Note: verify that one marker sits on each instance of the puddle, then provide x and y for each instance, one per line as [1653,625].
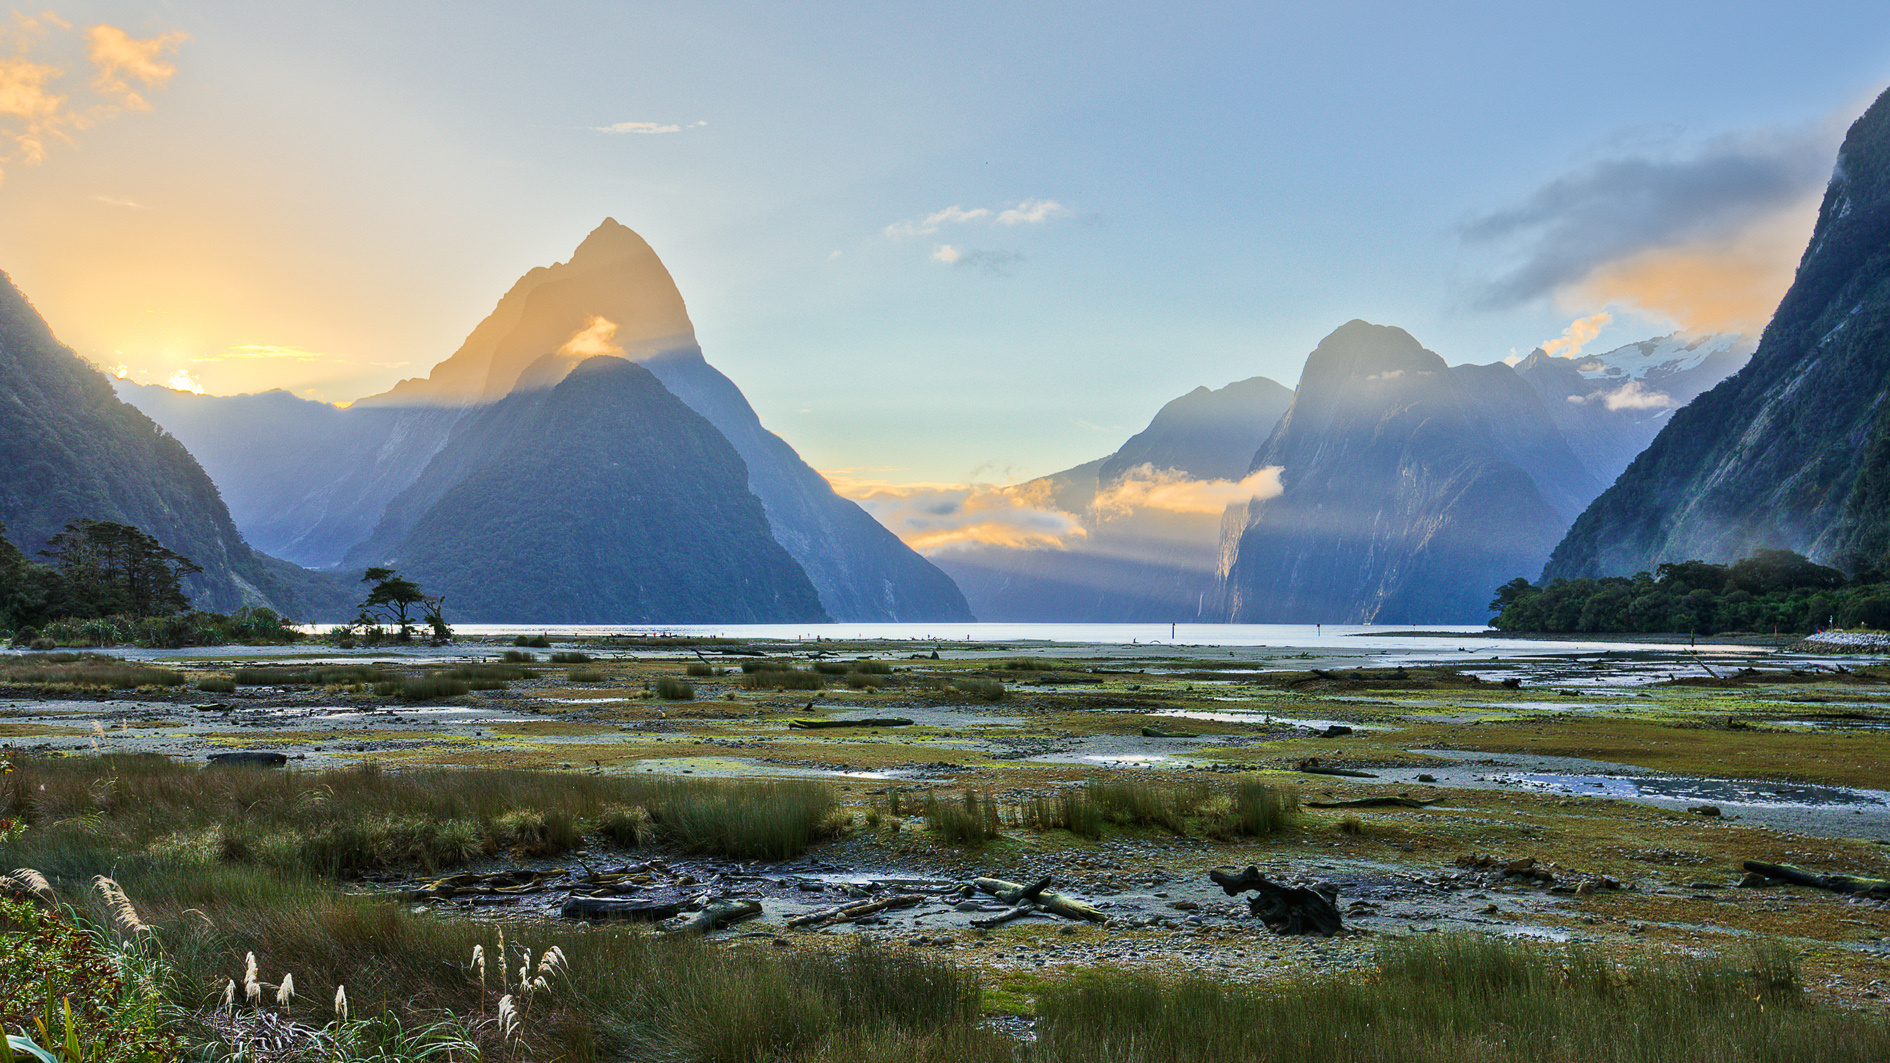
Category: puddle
[1738,792]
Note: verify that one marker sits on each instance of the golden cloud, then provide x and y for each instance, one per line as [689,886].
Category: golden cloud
[1730,284]
[119,59]
[933,517]
[1577,335]
[34,110]
[1146,487]
[592,340]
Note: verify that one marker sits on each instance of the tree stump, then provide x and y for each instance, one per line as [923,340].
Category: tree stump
[1286,910]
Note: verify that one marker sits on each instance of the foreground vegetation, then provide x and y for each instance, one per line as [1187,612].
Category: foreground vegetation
[225,932]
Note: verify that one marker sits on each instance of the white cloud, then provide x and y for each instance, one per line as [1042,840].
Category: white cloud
[646,127]
[1032,212]
[36,109]
[953,215]
[181,380]
[947,253]
[1629,396]
[1146,487]
[115,202]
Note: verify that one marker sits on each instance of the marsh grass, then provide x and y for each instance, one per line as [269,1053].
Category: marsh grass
[703,670]
[84,670]
[584,675]
[783,679]
[983,689]
[217,685]
[1445,999]
[570,657]
[89,815]
[669,688]
[334,675]
[971,817]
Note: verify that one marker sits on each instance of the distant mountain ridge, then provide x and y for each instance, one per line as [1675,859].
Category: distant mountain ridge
[1793,451]
[323,491]
[72,450]
[1399,501]
[600,499]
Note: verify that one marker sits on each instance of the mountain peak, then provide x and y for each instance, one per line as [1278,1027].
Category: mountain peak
[1375,352]
[612,296]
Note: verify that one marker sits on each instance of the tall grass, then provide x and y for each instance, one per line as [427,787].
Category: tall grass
[326,676]
[782,679]
[91,814]
[1445,999]
[669,688]
[83,670]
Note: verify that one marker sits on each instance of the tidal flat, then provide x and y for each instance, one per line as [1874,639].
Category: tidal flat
[1600,800]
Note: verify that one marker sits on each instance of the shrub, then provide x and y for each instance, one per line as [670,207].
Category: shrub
[570,658]
[537,642]
[670,688]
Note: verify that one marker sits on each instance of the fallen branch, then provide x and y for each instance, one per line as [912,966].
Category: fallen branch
[1156,732]
[718,915]
[641,908]
[815,725]
[1018,912]
[1373,802]
[1851,884]
[1037,893]
[847,913]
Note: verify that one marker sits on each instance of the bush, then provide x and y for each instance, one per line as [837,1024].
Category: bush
[536,642]
[670,688]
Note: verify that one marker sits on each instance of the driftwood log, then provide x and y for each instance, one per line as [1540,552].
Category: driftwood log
[651,909]
[815,725]
[1284,909]
[500,882]
[250,758]
[719,914]
[1038,893]
[1373,802]
[1313,767]
[846,913]
[1866,887]
[1156,732]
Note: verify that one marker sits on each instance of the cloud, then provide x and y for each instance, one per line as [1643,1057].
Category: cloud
[116,202]
[947,254]
[120,59]
[1146,487]
[181,380]
[996,263]
[646,127]
[592,340]
[1032,212]
[1629,396]
[1577,335]
[36,107]
[267,350]
[935,517]
[1707,236]
[932,222]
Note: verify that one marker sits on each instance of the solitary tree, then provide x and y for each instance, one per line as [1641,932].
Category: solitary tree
[393,599]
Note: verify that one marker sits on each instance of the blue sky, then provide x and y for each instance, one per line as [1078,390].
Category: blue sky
[328,197]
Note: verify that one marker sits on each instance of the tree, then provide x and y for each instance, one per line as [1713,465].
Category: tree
[393,599]
[117,569]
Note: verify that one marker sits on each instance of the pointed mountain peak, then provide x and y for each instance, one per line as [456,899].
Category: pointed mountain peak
[613,296]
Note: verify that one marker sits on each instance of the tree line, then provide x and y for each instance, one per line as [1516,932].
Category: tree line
[1770,591]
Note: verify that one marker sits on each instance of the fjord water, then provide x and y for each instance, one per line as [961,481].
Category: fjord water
[1337,639]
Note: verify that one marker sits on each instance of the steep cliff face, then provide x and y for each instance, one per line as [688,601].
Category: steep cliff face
[600,499]
[1144,563]
[71,449]
[1399,503]
[1793,451]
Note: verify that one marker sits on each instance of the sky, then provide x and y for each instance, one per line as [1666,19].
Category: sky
[937,243]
